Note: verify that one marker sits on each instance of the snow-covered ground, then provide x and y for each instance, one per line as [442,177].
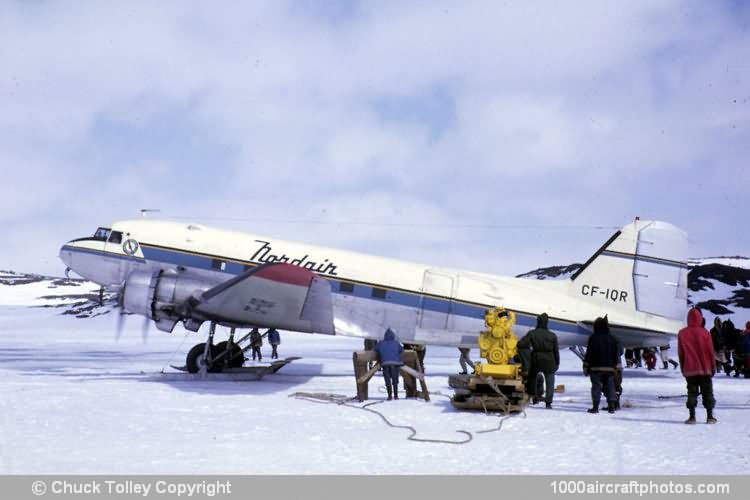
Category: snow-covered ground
[72,399]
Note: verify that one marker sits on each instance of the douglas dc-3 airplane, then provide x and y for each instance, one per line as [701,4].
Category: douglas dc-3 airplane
[173,272]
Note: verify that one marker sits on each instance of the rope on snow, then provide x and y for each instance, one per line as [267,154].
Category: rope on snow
[341,400]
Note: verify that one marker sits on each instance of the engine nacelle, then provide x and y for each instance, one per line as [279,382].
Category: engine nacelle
[162,296]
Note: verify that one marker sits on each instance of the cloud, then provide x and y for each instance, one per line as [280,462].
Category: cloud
[440,113]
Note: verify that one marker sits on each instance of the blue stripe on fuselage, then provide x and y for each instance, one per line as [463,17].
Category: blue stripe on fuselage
[362,291]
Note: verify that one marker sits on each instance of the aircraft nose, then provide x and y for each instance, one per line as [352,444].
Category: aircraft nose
[66,256]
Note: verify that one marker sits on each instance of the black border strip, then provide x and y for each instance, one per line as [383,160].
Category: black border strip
[648,258]
[89,238]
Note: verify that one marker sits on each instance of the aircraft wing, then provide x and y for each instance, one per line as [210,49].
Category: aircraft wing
[281,295]
[631,337]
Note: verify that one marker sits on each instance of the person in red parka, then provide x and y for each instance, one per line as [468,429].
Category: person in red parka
[696,352]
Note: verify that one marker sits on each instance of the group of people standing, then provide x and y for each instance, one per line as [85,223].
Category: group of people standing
[256,342]
[701,355]
[539,352]
[731,347]
[634,358]
[602,364]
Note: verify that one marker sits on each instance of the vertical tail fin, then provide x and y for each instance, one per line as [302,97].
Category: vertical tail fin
[641,267]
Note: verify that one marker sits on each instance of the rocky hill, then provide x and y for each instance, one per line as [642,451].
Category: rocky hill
[77,297]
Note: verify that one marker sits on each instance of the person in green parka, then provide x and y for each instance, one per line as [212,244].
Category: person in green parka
[545,357]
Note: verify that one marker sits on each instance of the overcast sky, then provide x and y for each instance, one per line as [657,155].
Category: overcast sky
[414,130]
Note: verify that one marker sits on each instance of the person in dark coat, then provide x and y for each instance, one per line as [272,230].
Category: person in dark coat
[745,347]
[717,339]
[523,355]
[697,360]
[369,346]
[629,362]
[600,364]
[618,375]
[739,353]
[389,350]
[731,337]
[545,357]
[256,342]
[637,357]
[274,338]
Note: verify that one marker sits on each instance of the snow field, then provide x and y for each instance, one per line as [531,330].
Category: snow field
[73,400]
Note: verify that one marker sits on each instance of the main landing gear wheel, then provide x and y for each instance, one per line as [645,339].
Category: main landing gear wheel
[196,359]
[234,359]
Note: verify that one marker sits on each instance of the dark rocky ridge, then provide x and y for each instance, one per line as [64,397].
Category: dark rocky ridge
[700,279]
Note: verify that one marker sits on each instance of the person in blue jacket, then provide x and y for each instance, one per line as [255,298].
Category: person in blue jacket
[389,349]
[274,338]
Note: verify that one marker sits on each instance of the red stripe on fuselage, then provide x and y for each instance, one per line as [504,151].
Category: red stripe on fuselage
[285,273]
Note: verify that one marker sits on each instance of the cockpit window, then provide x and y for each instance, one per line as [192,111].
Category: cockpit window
[102,234]
[115,237]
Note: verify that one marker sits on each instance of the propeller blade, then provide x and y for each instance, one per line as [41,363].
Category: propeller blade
[145,328]
[120,308]
[120,324]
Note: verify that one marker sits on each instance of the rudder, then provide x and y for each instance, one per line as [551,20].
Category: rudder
[641,267]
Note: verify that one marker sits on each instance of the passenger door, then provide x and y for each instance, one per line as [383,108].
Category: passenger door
[436,300]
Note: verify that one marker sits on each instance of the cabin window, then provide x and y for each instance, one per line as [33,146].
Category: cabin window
[346,287]
[218,264]
[102,234]
[378,293]
[115,237]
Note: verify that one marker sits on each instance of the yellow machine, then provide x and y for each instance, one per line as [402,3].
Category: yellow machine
[496,384]
[497,345]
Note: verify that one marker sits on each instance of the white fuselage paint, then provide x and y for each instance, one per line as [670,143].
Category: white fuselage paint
[424,304]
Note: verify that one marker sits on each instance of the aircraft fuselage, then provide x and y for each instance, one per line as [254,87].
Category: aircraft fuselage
[423,304]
